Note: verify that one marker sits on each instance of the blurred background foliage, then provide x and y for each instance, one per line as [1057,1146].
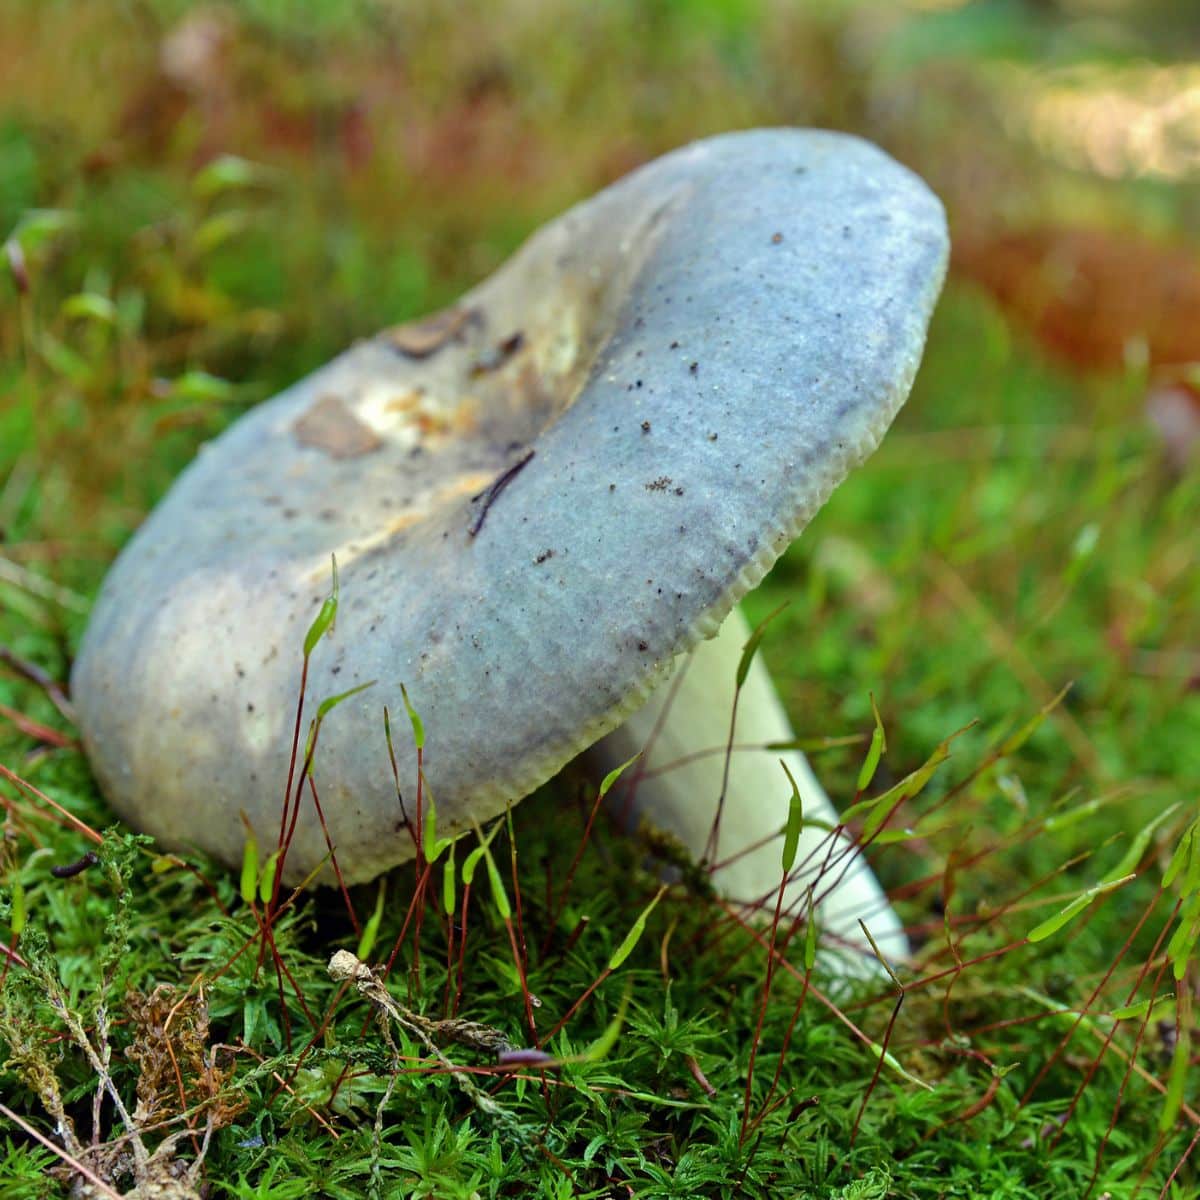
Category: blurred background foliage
[203,201]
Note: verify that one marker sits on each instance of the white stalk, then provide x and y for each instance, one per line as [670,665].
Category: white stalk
[677,785]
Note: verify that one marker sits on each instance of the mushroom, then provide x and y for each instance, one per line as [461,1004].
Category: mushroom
[540,503]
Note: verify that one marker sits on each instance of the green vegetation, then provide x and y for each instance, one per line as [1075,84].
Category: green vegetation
[182,246]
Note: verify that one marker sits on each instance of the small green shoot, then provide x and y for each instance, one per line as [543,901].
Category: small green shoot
[418,726]
[1015,741]
[752,644]
[449,883]
[795,823]
[323,710]
[90,306]
[228,172]
[432,844]
[219,229]
[890,1061]
[1131,1012]
[1075,814]
[203,388]
[876,809]
[602,1047]
[484,851]
[249,876]
[370,933]
[631,939]
[326,616]
[266,881]
[472,860]
[1053,924]
[499,895]
[1137,848]
[38,227]
[18,910]
[1183,940]
[1181,1059]
[875,751]
[611,778]
[1184,855]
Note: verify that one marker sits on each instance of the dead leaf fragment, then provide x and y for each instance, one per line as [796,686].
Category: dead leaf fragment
[420,339]
[330,426]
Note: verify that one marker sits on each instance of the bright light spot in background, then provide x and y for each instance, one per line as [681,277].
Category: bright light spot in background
[1116,122]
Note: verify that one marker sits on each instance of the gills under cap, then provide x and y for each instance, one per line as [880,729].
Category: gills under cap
[537,500]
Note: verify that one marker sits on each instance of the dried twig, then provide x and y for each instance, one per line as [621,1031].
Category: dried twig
[344,966]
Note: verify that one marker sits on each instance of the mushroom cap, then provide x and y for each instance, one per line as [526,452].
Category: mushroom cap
[695,357]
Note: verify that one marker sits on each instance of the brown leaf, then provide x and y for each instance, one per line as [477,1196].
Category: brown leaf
[330,426]
[1090,295]
[420,339]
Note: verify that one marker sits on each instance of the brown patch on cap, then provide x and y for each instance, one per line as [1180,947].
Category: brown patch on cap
[420,339]
[330,426]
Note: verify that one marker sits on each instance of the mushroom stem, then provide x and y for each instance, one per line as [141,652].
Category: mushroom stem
[677,784]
